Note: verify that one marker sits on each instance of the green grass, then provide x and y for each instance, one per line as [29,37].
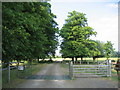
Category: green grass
[64,65]
[18,77]
[114,76]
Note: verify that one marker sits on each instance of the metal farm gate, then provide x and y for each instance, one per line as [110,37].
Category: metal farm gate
[101,69]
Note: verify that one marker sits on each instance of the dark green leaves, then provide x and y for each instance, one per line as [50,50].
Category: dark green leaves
[28,30]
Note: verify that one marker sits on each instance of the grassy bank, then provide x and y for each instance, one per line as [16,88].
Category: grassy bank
[18,77]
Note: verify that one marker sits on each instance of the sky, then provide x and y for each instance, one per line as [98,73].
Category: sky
[102,16]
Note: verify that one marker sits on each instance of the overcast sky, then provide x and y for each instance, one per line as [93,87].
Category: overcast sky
[102,16]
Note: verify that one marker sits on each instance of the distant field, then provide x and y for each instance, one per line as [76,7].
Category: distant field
[67,59]
[97,59]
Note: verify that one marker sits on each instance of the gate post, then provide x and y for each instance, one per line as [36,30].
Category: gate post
[108,68]
[80,61]
[71,69]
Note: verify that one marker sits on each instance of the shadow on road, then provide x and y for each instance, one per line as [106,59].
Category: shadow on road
[50,77]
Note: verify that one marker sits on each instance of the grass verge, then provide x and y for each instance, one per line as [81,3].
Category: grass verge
[18,77]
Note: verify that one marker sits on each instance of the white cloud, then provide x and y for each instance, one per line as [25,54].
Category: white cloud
[113,5]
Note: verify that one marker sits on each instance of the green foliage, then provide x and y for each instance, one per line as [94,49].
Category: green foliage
[76,39]
[75,33]
[28,30]
[96,49]
[93,48]
[108,49]
[116,54]
[101,49]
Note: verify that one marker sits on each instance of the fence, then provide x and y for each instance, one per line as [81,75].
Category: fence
[102,69]
[13,72]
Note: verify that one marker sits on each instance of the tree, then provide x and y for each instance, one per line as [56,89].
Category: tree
[95,49]
[108,49]
[100,46]
[116,54]
[75,33]
[26,34]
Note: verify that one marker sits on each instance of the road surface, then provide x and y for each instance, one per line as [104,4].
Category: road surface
[55,76]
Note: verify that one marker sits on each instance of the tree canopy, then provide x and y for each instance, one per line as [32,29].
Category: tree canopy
[108,49]
[76,39]
[29,30]
[76,35]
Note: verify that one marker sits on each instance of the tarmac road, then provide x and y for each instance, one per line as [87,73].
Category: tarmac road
[55,76]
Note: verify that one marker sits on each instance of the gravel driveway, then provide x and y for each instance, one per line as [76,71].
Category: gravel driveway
[55,76]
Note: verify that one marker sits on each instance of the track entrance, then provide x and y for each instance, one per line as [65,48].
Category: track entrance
[52,71]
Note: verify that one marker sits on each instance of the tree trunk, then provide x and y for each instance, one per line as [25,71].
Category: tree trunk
[94,59]
[18,62]
[72,59]
[75,58]
[38,59]
[50,59]
[30,61]
[81,58]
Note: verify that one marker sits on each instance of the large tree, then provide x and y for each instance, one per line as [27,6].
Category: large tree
[75,33]
[29,30]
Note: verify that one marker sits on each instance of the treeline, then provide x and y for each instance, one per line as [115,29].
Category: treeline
[76,39]
[28,31]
